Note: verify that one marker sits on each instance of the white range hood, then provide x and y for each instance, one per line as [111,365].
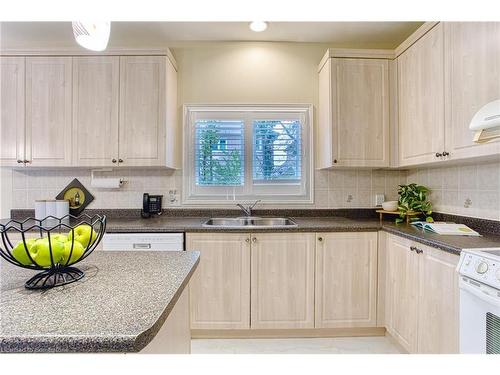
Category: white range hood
[486,122]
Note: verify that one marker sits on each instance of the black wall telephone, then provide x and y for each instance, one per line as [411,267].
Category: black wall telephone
[151,204]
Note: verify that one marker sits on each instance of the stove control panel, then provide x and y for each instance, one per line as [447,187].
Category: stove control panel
[480,266]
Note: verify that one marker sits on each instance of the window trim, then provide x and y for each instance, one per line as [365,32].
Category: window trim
[189,194]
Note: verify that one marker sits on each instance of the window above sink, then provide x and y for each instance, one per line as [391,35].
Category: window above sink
[248,152]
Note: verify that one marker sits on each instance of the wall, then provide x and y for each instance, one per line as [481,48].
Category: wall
[452,186]
[249,72]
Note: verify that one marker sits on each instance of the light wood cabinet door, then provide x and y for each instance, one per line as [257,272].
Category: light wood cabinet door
[361,112]
[95,110]
[346,280]
[219,291]
[438,309]
[353,125]
[324,136]
[421,99]
[402,292]
[173,136]
[473,79]
[12,111]
[282,280]
[48,111]
[142,111]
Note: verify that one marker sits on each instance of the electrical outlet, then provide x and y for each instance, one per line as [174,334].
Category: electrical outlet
[379,199]
[173,199]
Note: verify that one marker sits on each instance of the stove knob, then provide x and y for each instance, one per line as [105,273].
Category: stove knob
[482,267]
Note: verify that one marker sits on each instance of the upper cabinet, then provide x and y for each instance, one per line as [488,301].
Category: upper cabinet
[421,100]
[48,111]
[12,111]
[472,66]
[413,107]
[142,110]
[89,111]
[353,126]
[449,72]
[95,110]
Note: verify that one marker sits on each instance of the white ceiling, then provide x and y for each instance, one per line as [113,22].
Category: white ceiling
[155,34]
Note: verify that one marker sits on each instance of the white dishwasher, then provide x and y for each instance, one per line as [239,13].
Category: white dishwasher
[143,242]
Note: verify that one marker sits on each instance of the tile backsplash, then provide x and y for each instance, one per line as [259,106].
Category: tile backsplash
[469,190]
[333,189]
[29,185]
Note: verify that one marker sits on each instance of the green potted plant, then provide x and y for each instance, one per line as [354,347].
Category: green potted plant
[413,200]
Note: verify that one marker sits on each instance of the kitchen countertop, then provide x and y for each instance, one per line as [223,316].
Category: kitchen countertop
[451,244]
[169,223]
[116,307]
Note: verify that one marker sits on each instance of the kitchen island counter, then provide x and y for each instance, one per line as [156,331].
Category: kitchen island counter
[119,306]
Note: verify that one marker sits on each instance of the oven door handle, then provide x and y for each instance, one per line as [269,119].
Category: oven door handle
[495,301]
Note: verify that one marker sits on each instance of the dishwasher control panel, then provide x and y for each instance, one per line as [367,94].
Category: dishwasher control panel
[143,242]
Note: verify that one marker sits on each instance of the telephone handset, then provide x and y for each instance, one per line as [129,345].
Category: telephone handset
[151,204]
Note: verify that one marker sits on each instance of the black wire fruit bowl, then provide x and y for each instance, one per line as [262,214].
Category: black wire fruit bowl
[51,245]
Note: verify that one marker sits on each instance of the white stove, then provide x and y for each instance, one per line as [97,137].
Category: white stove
[479,283]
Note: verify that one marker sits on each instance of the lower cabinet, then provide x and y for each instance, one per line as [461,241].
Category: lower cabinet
[336,280]
[421,297]
[438,322]
[219,291]
[282,288]
[402,292]
[284,280]
[346,280]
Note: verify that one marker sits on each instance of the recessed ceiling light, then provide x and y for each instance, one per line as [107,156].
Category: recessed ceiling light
[258,26]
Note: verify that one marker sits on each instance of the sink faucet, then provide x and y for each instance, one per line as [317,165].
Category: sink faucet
[248,210]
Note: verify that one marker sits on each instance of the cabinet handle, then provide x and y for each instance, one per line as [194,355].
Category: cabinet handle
[438,154]
[446,153]
[120,160]
[418,251]
[335,161]
[19,161]
[412,248]
[320,239]
[113,160]
[26,161]
[254,240]
[247,240]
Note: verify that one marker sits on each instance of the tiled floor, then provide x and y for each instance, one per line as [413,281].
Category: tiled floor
[338,345]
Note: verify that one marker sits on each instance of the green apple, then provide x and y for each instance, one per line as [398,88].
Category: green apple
[40,252]
[19,251]
[84,234]
[77,253]
[59,237]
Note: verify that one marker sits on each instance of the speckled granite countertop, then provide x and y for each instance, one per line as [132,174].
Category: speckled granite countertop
[116,307]
[195,224]
[338,220]
[451,244]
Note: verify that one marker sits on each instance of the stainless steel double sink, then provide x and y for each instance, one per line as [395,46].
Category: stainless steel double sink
[250,222]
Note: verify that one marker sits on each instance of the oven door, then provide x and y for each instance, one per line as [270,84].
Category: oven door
[479,318]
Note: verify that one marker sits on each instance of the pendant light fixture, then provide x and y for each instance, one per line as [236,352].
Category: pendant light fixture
[92,35]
